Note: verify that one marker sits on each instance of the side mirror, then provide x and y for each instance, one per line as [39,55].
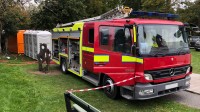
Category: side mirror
[133,50]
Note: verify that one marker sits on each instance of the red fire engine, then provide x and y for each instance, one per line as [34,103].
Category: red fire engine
[103,51]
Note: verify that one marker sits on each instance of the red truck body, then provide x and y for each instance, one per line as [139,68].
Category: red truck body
[106,58]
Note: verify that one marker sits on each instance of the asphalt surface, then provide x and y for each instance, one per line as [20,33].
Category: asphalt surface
[186,98]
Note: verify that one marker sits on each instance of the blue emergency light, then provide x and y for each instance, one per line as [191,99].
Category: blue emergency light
[154,14]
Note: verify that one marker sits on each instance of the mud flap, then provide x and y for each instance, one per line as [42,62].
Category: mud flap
[79,105]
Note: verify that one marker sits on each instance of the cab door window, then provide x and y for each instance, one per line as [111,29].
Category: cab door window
[113,38]
[91,35]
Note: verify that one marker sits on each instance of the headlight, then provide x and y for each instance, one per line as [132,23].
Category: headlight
[148,77]
[187,83]
[146,92]
[188,70]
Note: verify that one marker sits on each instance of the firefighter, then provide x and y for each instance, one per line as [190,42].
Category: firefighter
[158,41]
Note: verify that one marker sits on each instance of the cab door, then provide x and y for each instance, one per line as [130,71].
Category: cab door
[112,54]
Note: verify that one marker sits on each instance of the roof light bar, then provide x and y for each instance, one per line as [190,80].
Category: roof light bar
[151,14]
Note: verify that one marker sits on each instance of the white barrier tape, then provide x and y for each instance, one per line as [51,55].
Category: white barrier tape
[102,87]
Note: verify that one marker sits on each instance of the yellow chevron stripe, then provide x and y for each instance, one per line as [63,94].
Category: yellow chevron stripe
[88,49]
[62,54]
[57,62]
[131,59]
[134,32]
[74,72]
[75,27]
[101,58]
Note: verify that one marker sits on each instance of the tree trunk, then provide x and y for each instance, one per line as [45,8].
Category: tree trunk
[0,36]
[6,45]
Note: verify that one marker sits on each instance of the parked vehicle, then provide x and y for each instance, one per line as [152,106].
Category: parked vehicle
[194,34]
[197,45]
[153,52]
[193,40]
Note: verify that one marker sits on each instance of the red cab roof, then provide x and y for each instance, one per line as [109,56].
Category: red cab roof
[143,21]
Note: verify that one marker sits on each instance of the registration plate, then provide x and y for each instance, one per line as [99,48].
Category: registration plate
[170,86]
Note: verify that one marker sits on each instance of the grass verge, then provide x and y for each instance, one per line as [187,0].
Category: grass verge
[195,61]
[22,91]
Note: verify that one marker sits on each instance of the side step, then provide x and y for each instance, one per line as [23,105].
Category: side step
[91,80]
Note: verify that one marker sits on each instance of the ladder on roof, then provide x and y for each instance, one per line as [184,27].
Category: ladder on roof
[118,12]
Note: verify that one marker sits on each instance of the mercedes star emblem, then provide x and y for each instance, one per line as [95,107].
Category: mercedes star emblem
[171,72]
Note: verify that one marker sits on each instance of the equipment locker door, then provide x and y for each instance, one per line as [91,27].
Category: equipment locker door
[88,47]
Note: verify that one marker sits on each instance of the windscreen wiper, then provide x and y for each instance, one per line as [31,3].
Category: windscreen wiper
[160,52]
[181,51]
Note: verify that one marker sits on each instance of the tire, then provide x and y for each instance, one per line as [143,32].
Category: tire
[63,66]
[112,91]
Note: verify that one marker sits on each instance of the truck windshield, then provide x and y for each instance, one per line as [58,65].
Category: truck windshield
[162,40]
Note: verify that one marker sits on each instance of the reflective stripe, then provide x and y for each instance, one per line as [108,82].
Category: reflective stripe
[131,59]
[57,62]
[75,27]
[101,58]
[74,72]
[62,54]
[88,49]
[134,32]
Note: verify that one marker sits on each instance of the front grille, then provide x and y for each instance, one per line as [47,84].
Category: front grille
[164,73]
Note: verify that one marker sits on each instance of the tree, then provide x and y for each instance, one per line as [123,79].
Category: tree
[191,13]
[98,7]
[57,11]
[4,5]
[157,5]
[12,17]
[52,12]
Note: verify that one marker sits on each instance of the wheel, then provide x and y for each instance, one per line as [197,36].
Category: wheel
[63,66]
[197,49]
[111,91]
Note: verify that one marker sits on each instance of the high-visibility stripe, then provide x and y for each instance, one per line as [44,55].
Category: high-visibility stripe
[81,53]
[75,27]
[62,54]
[88,49]
[134,32]
[57,62]
[101,58]
[131,59]
[74,72]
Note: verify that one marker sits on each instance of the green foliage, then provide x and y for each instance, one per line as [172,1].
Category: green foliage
[57,11]
[195,61]
[23,91]
[191,14]
[52,12]
[98,7]
[63,11]
[157,5]
[14,19]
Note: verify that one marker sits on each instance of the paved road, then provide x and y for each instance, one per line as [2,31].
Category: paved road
[186,98]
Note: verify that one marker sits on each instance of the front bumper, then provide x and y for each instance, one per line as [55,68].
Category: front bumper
[192,44]
[132,92]
[197,47]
